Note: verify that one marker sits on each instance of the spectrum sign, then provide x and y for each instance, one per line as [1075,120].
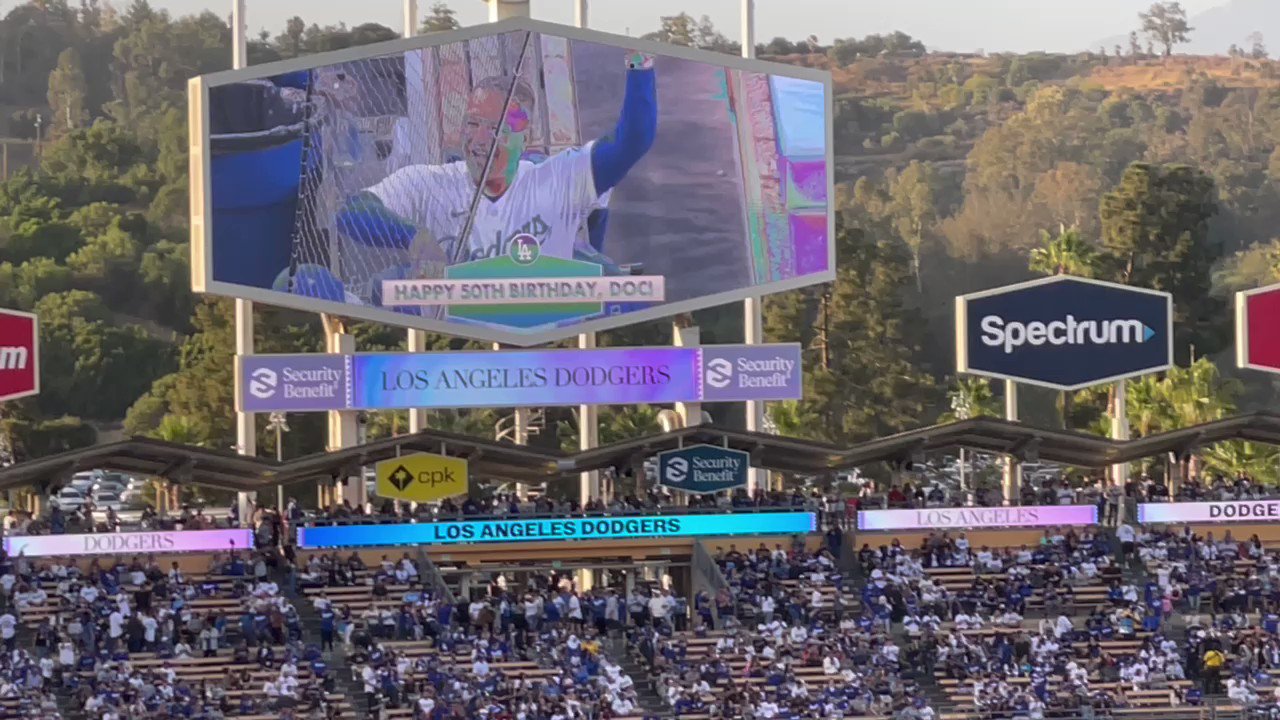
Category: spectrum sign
[604,528]
[1210,512]
[1064,332]
[519,378]
[978,517]
[128,543]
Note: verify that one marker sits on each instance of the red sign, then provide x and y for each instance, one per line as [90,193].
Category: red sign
[19,355]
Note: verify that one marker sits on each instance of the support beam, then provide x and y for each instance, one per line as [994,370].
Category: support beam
[1120,431]
[1012,485]
[246,423]
[409,21]
[344,424]
[752,308]
[506,9]
[417,416]
[685,334]
[588,435]
[580,13]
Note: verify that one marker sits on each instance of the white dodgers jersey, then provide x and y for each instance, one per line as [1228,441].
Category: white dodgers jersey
[548,200]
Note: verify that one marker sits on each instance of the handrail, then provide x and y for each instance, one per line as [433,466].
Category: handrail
[705,566]
[432,576]
[555,515]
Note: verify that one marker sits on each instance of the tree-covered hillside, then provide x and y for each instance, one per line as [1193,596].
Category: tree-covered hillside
[956,173]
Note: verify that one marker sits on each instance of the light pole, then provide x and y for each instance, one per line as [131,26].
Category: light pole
[277,421]
[962,408]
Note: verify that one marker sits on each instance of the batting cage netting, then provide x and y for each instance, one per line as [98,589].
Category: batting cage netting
[367,119]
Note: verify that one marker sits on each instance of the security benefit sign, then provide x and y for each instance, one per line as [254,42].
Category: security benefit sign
[703,468]
[422,477]
[1064,333]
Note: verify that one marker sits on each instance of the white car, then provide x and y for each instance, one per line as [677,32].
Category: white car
[68,499]
[107,500]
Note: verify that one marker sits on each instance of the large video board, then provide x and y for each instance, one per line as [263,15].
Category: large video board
[519,182]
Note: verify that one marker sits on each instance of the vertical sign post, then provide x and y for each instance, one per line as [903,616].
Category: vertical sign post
[752,307]
[246,423]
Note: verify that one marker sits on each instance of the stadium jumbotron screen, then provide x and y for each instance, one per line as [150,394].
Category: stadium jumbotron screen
[519,182]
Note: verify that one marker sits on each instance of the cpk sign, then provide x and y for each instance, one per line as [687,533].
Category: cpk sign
[1258,329]
[1064,333]
[19,355]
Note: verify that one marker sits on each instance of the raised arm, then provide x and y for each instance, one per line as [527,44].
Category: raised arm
[613,156]
[366,219]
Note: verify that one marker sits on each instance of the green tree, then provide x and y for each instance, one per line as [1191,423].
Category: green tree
[913,205]
[91,366]
[68,92]
[874,384]
[1064,254]
[1165,24]
[971,397]
[684,29]
[440,18]
[1155,234]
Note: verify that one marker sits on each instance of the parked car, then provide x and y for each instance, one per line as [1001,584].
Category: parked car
[106,500]
[69,499]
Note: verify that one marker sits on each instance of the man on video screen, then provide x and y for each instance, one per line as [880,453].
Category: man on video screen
[426,209]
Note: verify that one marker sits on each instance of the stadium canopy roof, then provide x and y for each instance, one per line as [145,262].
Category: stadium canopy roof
[186,464]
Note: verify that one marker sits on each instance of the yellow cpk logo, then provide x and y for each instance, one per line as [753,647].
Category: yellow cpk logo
[422,477]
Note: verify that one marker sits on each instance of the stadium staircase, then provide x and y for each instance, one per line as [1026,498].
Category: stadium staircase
[647,698]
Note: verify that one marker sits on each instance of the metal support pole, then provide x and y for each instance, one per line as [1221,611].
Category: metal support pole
[246,430]
[344,424]
[752,308]
[417,339]
[410,20]
[505,9]
[417,416]
[1012,489]
[748,29]
[689,336]
[588,435]
[588,415]
[1120,431]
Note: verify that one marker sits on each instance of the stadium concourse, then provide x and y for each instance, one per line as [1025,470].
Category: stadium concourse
[1076,620]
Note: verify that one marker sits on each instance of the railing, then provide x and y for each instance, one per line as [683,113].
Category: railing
[555,515]
[434,578]
[705,567]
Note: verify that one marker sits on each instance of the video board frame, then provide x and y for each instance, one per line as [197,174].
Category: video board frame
[202,212]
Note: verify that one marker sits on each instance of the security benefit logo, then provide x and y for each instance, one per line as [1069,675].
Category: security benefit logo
[421,477]
[703,468]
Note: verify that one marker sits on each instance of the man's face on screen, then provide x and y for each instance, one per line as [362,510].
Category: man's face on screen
[485,115]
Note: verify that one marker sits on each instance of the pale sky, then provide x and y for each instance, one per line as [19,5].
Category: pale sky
[962,25]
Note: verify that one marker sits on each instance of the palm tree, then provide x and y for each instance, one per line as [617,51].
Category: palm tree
[1064,254]
[970,397]
[794,418]
[617,423]
[178,429]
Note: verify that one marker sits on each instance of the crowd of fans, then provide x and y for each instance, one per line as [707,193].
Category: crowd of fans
[529,650]
[112,634]
[1077,623]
